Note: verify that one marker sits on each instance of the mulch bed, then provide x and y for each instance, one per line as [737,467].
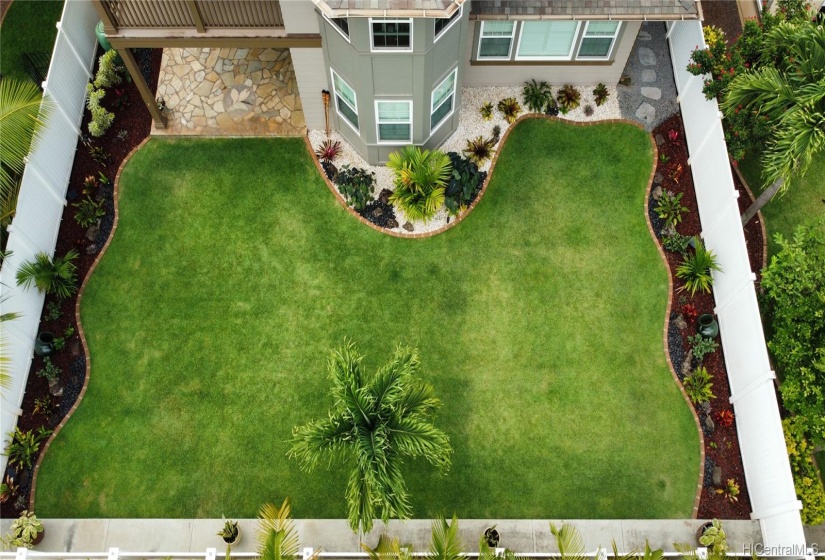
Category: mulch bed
[725,15]
[135,119]
[721,443]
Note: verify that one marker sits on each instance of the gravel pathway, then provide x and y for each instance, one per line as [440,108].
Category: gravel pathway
[650,99]
[471,125]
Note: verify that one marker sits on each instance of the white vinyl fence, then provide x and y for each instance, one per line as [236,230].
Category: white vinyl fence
[764,455]
[43,197]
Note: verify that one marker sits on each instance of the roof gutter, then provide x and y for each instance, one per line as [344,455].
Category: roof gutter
[588,17]
[454,6]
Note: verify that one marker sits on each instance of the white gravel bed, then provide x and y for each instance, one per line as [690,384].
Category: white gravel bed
[470,126]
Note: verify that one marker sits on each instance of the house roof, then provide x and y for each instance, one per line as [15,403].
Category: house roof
[517,9]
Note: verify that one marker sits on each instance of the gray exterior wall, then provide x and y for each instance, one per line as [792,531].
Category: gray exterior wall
[508,73]
[394,75]
[299,17]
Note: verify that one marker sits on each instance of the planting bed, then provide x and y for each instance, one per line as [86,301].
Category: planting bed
[135,119]
[721,443]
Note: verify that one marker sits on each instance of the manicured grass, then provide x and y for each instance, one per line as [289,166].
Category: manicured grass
[804,201]
[234,271]
[27,27]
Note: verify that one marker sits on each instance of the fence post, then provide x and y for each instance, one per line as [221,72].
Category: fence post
[113,553]
[61,33]
[211,553]
[20,554]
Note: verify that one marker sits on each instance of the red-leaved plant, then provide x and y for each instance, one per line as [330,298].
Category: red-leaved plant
[329,150]
[725,418]
[690,312]
[673,135]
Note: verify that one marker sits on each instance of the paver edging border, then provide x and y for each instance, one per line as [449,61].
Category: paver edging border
[702,458]
[80,332]
[758,215]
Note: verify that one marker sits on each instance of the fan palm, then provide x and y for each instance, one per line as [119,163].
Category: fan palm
[52,276]
[420,178]
[277,538]
[22,117]
[793,97]
[377,420]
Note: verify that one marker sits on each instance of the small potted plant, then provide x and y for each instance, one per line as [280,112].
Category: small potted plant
[491,536]
[231,532]
[713,537]
[26,531]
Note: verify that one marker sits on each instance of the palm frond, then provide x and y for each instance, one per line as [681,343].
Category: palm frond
[687,551]
[765,89]
[419,438]
[321,438]
[361,502]
[799,138]
[388,548]
[569,541]
[418,400]
[626,556]
[277,538]
[23,113]
[446,543]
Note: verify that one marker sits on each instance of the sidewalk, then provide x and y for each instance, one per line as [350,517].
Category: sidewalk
[334,535]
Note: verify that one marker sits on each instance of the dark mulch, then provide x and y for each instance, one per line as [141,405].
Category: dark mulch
[135,119]
[721,443]
[725,15]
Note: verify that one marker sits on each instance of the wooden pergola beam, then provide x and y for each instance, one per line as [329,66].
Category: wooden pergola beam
[145,39]
[109,22]
[158,118]
[196,15]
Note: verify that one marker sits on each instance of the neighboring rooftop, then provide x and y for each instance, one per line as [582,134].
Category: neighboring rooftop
[517,9]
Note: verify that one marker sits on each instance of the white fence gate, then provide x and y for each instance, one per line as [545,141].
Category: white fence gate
[761,440]
[43,197]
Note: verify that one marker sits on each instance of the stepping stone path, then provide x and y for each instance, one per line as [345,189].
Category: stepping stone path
[648,75]
[652,93]
[647,57]
[646,112]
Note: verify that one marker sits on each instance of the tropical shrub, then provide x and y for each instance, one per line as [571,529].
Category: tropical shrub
[600,94]
[725,418]
[794,284]
[479,149]
[669,208]
[109,70]
[806,478]
[88,211]
[536,95]
[52,276]
[699,386]
[730,491]
[23,446]
[588,110]
[465,183]
[101,118]
[695,269]
[701,346]
[510,109]
[486,111]
[420,177]
[356,185]
[675,242]
[568,97]
[375,422]
[53,311]
[49,370]
[100,156]
[329,150]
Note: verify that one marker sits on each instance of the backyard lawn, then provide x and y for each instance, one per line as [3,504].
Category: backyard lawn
[29,26]
[234,271]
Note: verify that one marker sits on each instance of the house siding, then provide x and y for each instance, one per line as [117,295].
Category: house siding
[394,75]
[311,77]
[299,16]
[508,73]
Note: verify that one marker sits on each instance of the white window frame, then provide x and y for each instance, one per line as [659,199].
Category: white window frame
[445,118]
[481,39]
[338,29]
[438,36]
[378,123]
[386,49]
[332,74]
[573,46]
[612,45]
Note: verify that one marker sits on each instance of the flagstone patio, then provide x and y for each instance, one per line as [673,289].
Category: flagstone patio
[230,92]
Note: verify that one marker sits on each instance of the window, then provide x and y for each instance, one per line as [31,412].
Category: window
[345,100]
[547,40]
[496,39]
[443,24]
[598,40]
[443,100]
[394,120]
[341,25]
[391,34]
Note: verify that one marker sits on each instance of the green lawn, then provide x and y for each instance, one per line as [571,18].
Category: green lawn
[804,201]
[233,272]
[28,26]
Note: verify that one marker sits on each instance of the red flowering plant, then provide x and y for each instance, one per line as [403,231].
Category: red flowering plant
[690,312]
[725,418]
[718,61]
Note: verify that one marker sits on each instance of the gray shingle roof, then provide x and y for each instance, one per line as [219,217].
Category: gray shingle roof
[619,9]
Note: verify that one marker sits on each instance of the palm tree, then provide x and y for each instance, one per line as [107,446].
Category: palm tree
[793,97]
[445,544]
[420,180]
[22,117]
[377,420]
[277,538]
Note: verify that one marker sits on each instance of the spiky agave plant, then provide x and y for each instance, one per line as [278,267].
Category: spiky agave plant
[56,276]
[420,178]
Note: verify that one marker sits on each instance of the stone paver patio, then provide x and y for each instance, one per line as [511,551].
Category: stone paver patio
[230,92]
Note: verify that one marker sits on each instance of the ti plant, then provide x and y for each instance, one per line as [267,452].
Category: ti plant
[699,386]
[669,208]
[568,97]
[600,94]
[23,446]
[730,491]
[88,212]
[329,150]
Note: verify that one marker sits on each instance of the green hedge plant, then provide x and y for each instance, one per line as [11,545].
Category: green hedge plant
[806,478]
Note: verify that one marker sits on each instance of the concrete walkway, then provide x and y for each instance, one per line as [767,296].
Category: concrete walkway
[334,535]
